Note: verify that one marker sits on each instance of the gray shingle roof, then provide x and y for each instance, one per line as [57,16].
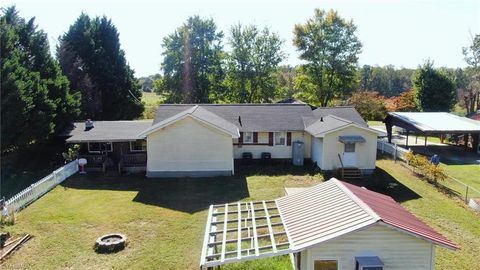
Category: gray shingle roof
[107,131]
[345,112]
[325,124]
[201,114]
[249,117]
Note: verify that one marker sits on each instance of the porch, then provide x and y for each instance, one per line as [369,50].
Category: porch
[118,157]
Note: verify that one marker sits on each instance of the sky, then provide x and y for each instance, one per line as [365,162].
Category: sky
[403,33]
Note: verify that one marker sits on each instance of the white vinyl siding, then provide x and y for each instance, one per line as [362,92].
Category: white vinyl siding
[277,151]
[366,152]
[189,145]
[396,249]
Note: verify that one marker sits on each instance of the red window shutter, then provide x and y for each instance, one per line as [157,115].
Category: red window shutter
[289,138]
[255,137]
[240,140]
[270,138]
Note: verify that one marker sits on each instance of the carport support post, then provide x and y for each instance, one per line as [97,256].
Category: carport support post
[406,144]
[426,139]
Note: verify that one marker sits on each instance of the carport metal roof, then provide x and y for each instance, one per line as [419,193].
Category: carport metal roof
[433,122]
[243,231]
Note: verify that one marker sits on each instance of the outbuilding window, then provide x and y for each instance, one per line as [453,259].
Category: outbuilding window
[368,263]
[349,147]
[280,138]
[325,265]
[138,146]
[248,137]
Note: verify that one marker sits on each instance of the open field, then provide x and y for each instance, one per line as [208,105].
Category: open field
[151,101]
[165,218]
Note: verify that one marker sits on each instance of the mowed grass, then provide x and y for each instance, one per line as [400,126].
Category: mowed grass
[448,215]
[163,219]
[151,102]
[468,174]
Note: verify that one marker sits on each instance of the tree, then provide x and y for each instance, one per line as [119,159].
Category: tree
[36,101]
[251,64]
[285,76]
[405,102]
[434,90]
[192,63]
[91,57]
[471,89]
[330,47]
[370,105]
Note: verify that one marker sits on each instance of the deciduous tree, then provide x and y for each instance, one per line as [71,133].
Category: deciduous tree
[369,104]
[192,63]
[329,45]
[251,64]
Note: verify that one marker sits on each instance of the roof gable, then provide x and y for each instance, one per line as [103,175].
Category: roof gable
[249,117]
[335,208]
[348,113]
[330,123]
[200,114]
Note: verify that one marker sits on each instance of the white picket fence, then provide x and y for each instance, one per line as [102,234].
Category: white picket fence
[39,188]
[392,149]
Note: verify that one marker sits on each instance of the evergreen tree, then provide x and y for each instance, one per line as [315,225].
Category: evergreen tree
[35,99]
[434,91]
[91,57]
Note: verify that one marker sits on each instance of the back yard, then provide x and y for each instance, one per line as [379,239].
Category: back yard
[164,219]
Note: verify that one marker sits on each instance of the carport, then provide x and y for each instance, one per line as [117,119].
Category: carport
[435,123]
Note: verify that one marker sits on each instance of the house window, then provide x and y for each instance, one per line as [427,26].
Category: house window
[349,147]
[138,146]
[98,147]
[325,265]
[280,138]
[248,137]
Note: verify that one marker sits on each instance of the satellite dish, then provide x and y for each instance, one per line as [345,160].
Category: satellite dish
[82,162]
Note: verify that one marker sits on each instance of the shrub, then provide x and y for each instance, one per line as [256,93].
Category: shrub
[425,167]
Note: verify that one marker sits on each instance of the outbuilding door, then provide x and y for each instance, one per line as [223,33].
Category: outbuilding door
[349,155]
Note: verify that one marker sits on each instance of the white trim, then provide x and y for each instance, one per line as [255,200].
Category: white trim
[417,235]
[275,138]
[313,258]
[181,116]
[206,239]
[321,135]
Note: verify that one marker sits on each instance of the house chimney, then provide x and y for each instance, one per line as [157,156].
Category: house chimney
[88,124]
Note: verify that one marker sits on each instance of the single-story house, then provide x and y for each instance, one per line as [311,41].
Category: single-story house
[207,139]
[333,225]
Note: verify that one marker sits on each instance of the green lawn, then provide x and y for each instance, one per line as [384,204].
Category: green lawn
[151,101]
[375,123]
[165,218]
[468,174]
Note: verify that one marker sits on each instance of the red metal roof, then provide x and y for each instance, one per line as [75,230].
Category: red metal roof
[393,214]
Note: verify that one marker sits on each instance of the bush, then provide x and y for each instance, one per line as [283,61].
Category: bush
[425,167]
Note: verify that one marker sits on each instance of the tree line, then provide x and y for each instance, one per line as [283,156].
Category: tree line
[89,76]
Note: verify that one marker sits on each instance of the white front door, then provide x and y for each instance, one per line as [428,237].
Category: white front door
[349,155]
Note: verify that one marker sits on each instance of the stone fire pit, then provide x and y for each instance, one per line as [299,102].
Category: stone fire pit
[110,243]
